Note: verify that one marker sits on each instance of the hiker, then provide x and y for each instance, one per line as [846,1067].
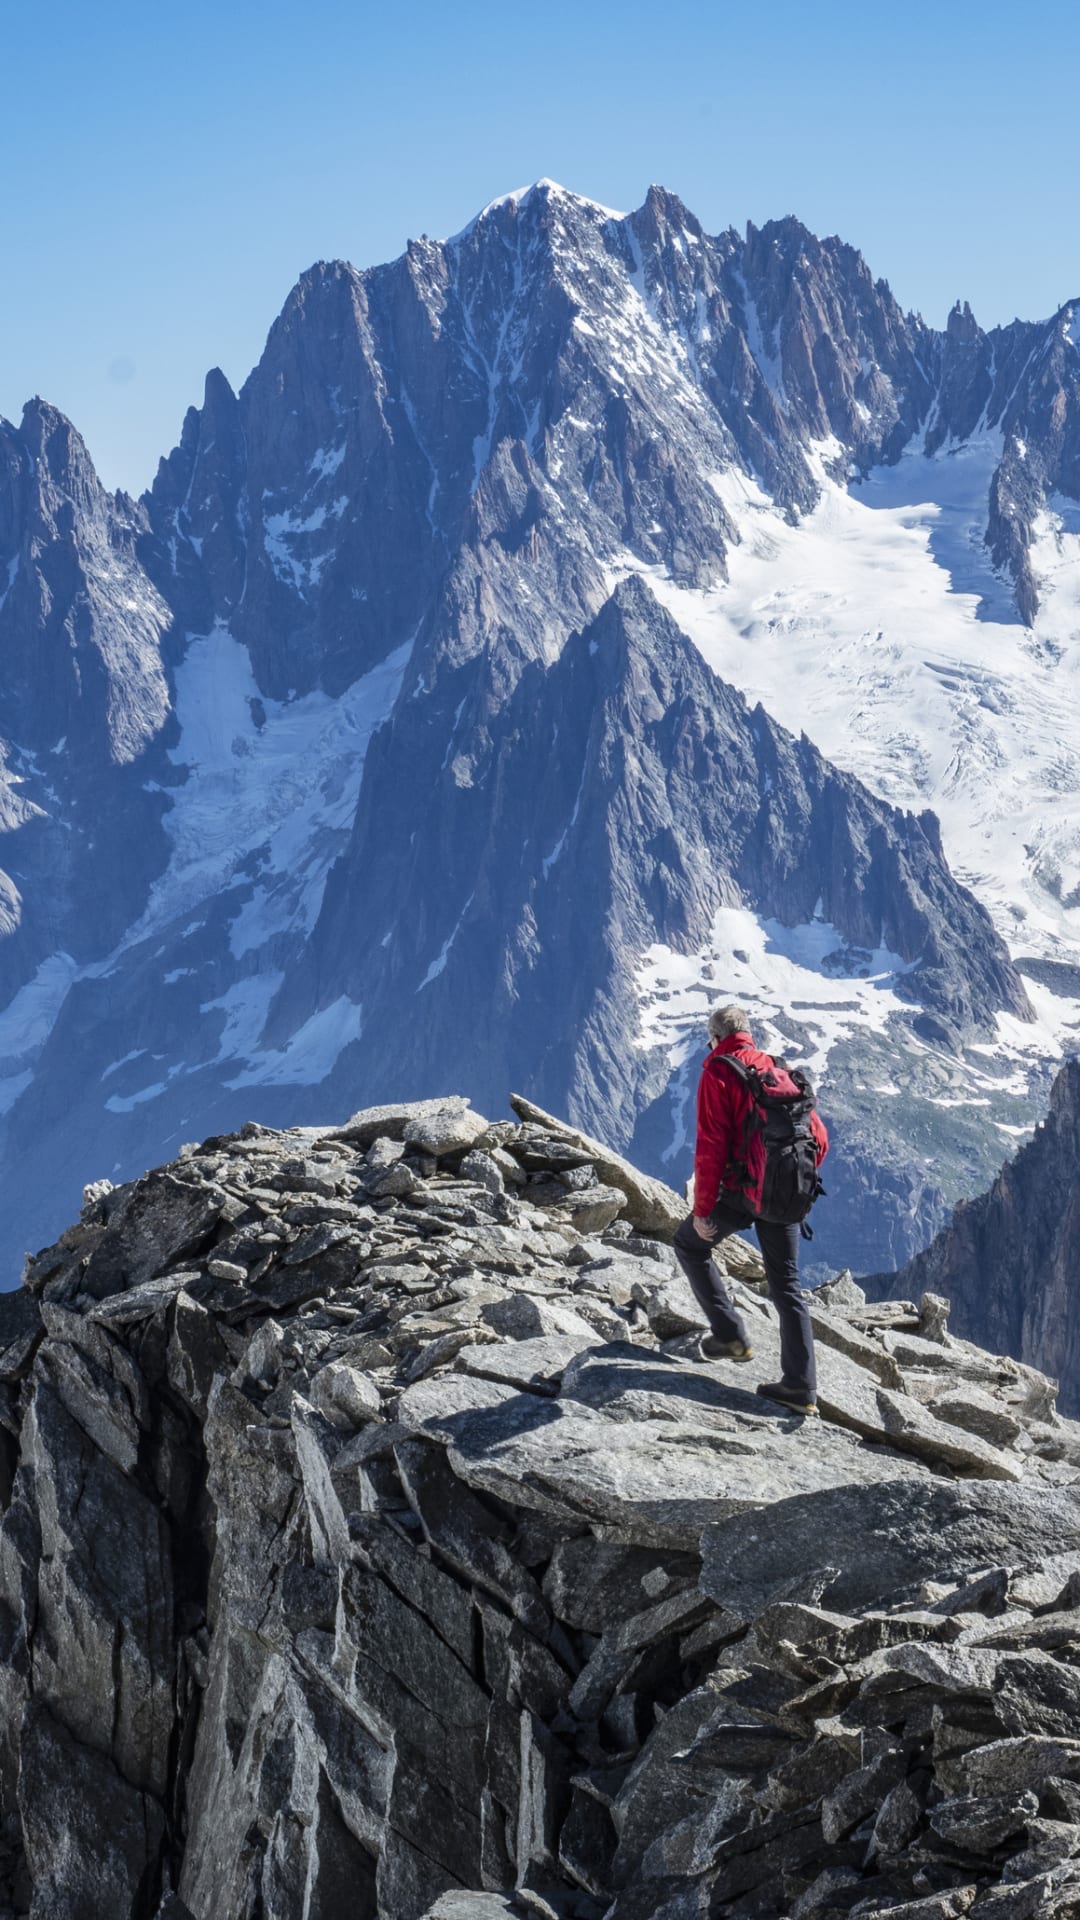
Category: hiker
[729,1174]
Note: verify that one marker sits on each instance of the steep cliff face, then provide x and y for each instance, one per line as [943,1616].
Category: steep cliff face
[563,820]
[81,628]
[630,360]
[85,703]
[315,790]
[464,894]
[1008,1260]
[1046,402]
[374,1542]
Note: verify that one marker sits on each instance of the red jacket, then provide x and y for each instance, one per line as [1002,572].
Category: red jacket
[722,1106]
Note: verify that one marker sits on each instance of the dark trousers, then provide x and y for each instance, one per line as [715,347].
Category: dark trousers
[780,1252]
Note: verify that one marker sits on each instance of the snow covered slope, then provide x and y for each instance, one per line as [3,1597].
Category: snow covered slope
[879,627]
[357,758]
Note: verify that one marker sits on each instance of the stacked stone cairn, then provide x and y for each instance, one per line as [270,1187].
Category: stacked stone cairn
[375,1543]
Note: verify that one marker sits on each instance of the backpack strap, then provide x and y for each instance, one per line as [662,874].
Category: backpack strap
[748,1077]
[752,1077]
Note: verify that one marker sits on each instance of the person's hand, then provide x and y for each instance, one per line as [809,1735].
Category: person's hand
[704,1227]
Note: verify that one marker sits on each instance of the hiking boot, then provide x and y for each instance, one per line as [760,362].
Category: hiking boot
[714,1349]
[796,1398]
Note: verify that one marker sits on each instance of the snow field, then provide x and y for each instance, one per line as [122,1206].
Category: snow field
[866,627]
[877,627]
[271,791]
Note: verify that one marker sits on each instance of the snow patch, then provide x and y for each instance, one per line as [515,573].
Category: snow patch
[274,799]
[519,195]
[246,1006]
[281,529]
[12,1086]
[326,460]
[764,348]
[556,852]
[806,974]
[311,1052]
[135,1054]
[11,570]
[438,965]
[28,1018]
[124,1103]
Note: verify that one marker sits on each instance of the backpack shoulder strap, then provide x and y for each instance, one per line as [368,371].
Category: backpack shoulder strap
[729,1060]
[763,1085]
[742,1072]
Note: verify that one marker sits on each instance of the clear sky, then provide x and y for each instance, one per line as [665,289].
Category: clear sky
[169,169]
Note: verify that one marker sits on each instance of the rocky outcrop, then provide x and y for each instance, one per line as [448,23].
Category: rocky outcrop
[647,1202]
[81,624]
[521,833]
[1007,1260]
[612,798]
[84,702]
[381,618]
[1041,455]
[374,1541]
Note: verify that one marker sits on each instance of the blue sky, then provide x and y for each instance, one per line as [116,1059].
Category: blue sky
[169,170]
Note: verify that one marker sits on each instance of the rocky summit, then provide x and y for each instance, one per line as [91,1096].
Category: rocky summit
[568,623]
[375,1544]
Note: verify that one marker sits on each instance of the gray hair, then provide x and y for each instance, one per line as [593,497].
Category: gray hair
[725,1020]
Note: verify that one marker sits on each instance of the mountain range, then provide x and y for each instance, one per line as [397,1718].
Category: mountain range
[1006,1260]
[566,625]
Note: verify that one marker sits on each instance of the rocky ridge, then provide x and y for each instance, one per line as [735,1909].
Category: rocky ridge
[632,791]
[421,527]
[1007,1259]
[373,1540]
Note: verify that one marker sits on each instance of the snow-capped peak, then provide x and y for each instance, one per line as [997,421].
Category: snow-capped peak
[520,196]
[460,453]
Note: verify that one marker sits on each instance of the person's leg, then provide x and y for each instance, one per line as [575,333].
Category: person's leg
[707,1283]
[780,1252]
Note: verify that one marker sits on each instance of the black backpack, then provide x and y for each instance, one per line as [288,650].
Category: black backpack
[791,1182]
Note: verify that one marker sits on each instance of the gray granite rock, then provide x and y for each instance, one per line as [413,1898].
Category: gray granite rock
[93,1840]
[535,1364]
[979,1413]
[874,1543]
[472,1906]
[670,1307]
[980,1825]
[589,1209]
[450,1128]
[520,1316]
[347,1396]
[1015,1766]
[649,1204]
[1005,1259]
[418,1595]
[392,1122]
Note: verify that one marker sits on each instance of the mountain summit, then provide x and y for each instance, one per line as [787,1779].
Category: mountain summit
[566,622]
[375,1543]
